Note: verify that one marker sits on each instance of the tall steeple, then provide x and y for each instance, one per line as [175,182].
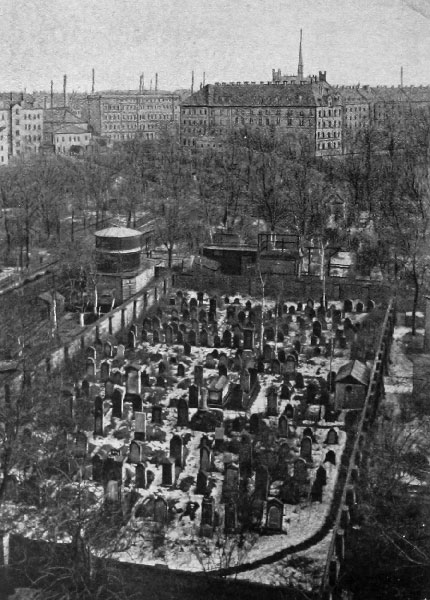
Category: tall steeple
[300,69]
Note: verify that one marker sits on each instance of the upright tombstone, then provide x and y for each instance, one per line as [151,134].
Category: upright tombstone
[182,410]
[140,426]
[306,449]
[226,338]
[202,483]
[136,453]
[255,423]
[205,459]
[105,370]
[187,348]
[283,426]
[290,365]
[117,403]
[133,379]
[198,375]
[108,349]
[140,478]
[97,464]
[90,366]
[131,340]
[230,490]
[262,482]
[300,471]
[167,472]
[272,402]
[347,306]
[169,335]
[332,437]
[177,451]
[157,415]
[248,339]
[193,396]
[180,370]
[274,515]
[208,511]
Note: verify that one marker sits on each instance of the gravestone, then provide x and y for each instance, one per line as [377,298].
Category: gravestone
[202,483]
[347,306]
[208,512]
[90,369]
[205,459]
[156,336]
[108,349]
[230,489]
[274,516]
[276,367]
[136,453]
[290,365]
[321,475]
[255,423]
[316,491]
[140,478]
[169,335]
[193,396]
[157,414]
[290,412]
[187,348]
[330,457]
[104,370]
[117,403]
[182,411]
[306,449]
[332,437]
[300,471]
[180,370]
[226,338]
[176,451]
[160,511]
[131,340]
[262,482]
[248,339]
[272,403]
[317,329]
[198,375]
[140,426]
[285,392]
[204,338]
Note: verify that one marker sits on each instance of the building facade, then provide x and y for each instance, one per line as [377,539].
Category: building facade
[71,139]
[120,116]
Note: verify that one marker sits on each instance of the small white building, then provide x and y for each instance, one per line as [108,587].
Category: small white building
[71,139]
[352,381]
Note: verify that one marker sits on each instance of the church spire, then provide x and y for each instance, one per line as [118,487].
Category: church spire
[300,69]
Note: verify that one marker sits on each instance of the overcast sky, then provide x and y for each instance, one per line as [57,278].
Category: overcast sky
[355,41]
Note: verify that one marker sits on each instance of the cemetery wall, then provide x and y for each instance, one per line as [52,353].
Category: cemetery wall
[337,288]
[347,511]
[109,324]
[27,560]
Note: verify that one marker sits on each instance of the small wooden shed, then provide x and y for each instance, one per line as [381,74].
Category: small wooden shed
[352,381]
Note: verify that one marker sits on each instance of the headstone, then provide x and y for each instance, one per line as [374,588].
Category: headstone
[300,471]
[193,396]
[306,449]
[283,426]
[332,437]
[192,338]
[136,453]
[230,517]
[330,457]
[198,375]
[202,483]
[275,513]
[182,410]
[117,403]
[205,459]
[262,482]
[290,364]
[104,370]
[97,464]
[140,426]
[187,348]
[226,338]
[177,451]
[160,511]
[140,478]
[272,403]
[285,392]
[208,511]
[157,415]
[347,306]
[181,370]
[255,423]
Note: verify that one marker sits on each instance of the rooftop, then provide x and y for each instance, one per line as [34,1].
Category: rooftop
[118,232]
[355,370]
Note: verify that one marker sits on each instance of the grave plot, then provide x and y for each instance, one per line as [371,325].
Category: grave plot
[219,416]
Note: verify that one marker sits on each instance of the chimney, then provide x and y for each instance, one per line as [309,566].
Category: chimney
[64,90]
[204,78]
[156,81]
[93,81]
[52,94]
[192,82]
[401,76]
[45,102]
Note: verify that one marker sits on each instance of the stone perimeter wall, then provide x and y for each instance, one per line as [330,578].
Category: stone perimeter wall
[331,587]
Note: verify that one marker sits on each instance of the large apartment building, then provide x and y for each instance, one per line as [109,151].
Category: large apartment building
[21,128]
[124,115]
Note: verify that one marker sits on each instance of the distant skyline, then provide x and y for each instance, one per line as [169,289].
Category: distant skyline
[355,41]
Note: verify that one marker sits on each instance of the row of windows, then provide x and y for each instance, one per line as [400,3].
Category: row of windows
[357,108]
[323,124]
[75,138]
[336,134]
[36,138]
[331,112]
[28,126]
[324,146]
[139,106]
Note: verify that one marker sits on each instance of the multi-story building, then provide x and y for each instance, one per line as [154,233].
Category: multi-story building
[307,110]
[63,129]
[306,113]
[71,139]
[21,128]
[124,115]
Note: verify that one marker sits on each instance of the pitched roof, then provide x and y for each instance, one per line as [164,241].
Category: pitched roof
[254,95]
[60,115]
[354,370]
[70,128]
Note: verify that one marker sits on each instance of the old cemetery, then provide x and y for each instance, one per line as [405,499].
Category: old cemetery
[217,417]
